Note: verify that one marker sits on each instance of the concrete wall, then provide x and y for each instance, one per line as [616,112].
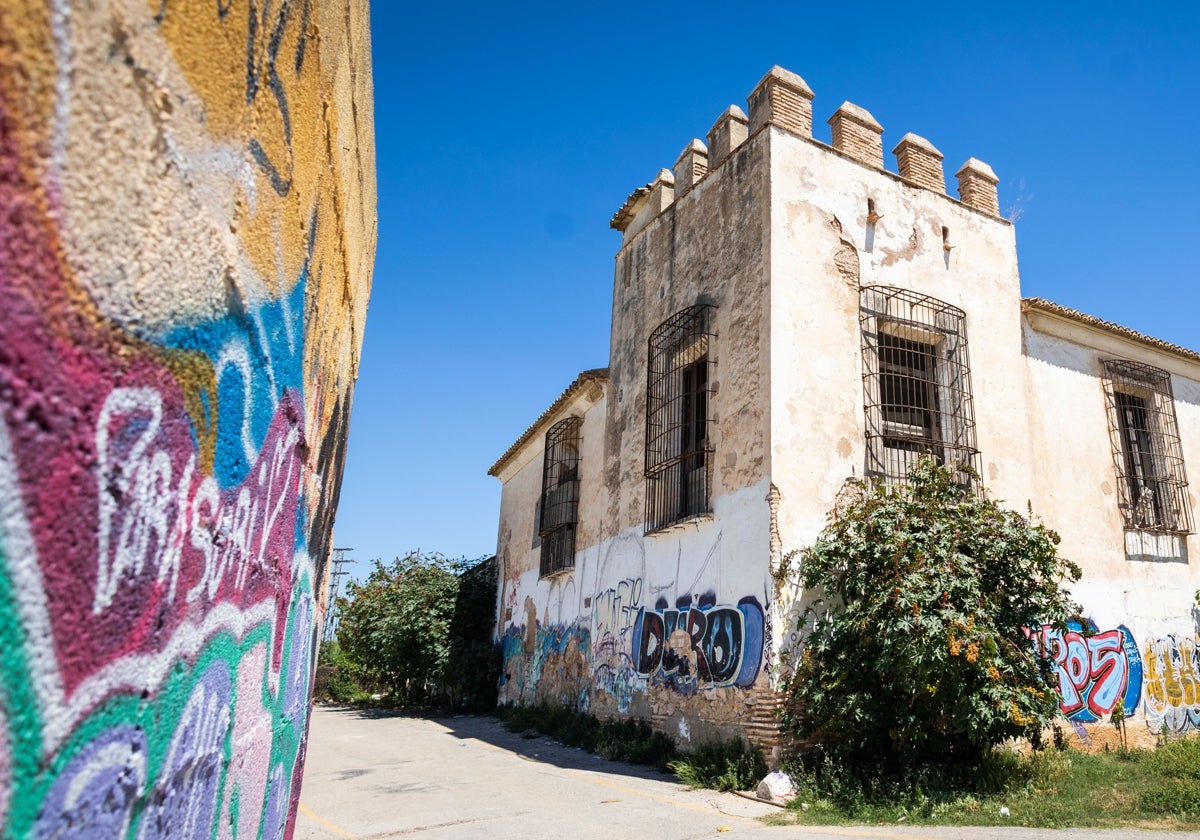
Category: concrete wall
[187,230]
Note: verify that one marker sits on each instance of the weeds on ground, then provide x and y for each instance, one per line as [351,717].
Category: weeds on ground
[1050,789]
[721,765]
[632,741]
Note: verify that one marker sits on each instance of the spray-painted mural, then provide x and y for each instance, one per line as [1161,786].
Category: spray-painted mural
[629,647]
[1172,685]
[184,269]
[701,646]
[1097,672]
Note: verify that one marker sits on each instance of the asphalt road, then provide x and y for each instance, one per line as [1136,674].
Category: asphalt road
[375,775]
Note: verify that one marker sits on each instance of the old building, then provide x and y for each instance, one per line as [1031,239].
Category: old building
[787,314]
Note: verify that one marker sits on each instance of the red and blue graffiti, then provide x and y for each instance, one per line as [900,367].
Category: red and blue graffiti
[1097,672]
[702,646]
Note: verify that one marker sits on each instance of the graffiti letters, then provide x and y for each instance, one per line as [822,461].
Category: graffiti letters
[1172,685]
[1096,671]
[712,646]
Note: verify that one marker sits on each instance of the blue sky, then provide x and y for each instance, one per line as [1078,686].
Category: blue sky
[507,136]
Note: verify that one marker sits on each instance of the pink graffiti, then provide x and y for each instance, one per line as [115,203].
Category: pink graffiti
[150,517]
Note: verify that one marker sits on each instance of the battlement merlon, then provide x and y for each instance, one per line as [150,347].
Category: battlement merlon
[784,100]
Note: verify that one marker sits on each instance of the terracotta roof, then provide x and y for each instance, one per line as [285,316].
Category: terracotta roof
[585,378]
[1050,308]
[624,216]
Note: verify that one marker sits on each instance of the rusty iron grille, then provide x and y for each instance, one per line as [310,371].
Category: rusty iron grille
[1146,449]
[916,385]
[560,496]
[678,420]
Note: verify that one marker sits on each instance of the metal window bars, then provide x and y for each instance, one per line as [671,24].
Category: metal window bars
[678,444]
[560,496]
[1146,448]
[916,385]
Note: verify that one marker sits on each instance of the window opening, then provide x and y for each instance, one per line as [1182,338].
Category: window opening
[560,496]
[678,444]
[916,384]
[1147,453]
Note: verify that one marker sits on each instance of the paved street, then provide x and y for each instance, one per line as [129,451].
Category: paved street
[375,775]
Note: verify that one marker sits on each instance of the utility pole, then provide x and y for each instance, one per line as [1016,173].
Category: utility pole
[331,617]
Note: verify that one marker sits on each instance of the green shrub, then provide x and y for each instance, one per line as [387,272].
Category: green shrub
[721,765]
[914,649]
[1177,760]
[1172,797]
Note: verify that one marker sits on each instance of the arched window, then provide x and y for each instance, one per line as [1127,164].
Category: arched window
[560,496]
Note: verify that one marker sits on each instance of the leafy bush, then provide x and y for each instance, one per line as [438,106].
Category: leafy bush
[914,649]
[472,675]
[337,679]
[420,627]
[635,742]
[721,765]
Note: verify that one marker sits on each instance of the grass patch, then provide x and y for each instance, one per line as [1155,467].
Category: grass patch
[1157,789]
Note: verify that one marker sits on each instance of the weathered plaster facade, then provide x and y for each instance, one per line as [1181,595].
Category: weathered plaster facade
[187,235]
[786,237]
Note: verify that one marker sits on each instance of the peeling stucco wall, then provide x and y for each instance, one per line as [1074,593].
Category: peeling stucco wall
[187,233]
[596,636]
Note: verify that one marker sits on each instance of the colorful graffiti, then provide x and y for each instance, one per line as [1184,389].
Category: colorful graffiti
[1097,672]
[545,664]
[1172,685]
[182,300]
[614,614]
[701,646]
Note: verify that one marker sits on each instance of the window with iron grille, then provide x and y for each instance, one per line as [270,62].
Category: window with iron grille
[678,443]
[916,384]
[1146,448]
[560,496]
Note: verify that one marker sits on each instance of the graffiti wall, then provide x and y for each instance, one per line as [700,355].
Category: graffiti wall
[1097,671]
[1172,684]
[1102,671]
[625,648]
[186,237]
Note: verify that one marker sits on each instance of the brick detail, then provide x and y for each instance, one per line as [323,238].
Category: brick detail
[727,133]
[761,724]
[783,99]
[691,167]
[857,134]
[977,186]
[920,162]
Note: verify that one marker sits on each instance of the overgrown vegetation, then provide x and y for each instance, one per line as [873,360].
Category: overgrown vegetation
[419,631]
[338,678]
[632,741]
[915,657]
[721,765]
[1049,789]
